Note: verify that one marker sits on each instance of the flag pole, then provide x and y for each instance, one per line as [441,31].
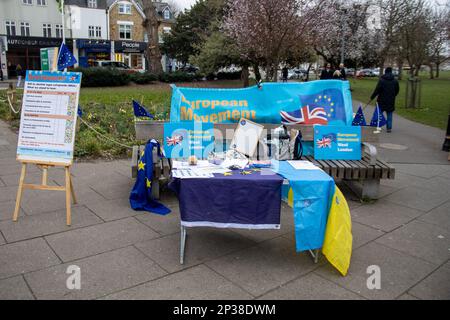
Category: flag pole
[63,26]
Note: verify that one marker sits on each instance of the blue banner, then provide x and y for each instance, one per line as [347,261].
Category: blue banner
[326,102]
[184,139]
[337,143]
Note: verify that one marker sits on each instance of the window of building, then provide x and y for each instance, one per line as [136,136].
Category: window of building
[167,14]
[24,29]
[47,30]
[10,28]
[98,32]
[59,30]
[41,2]
[91,31]
[29,2]
[124,8]
[92,3]
[125,31]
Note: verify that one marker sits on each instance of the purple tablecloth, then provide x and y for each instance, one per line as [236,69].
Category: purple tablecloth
[249,201]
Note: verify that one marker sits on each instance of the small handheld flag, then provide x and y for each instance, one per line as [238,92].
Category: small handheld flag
[378,119]
[140,111]
[80,111]
[65,58]
[359,119]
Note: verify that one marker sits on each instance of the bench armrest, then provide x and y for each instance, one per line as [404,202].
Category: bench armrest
[371,150]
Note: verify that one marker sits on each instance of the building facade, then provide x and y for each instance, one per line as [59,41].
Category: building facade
[87,23]
[127,32]
[28,26]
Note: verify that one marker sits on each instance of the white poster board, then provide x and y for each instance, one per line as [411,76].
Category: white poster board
[49,114]
[246,137]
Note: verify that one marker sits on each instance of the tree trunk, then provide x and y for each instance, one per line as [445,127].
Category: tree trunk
[437,70]
[400,71]
[275,72]
[245,76]
[307,72]
[257,73]
[151,25]
[431,71]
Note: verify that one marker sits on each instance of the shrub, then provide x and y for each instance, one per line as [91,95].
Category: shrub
[236,75]
[103,77]
[177,76]
[143,78]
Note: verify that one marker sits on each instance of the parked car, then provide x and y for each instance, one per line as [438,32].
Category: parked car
[189,69]
[365,73]
[350,72]
[114,64]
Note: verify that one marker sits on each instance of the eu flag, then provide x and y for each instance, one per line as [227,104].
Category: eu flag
[141,195]
[80,111]
[331,101]
[140,111]
[65,58]
[359,119]
[378,119]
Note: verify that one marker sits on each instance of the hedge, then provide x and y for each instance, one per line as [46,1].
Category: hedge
[143,78]
[103,77]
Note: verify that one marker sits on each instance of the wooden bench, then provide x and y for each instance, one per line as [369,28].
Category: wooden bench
[362,176]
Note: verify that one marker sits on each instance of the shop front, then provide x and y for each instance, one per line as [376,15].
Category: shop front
[131,53]
[25,51]
[90,51]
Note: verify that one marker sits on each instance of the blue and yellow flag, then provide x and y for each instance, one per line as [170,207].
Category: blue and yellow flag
[141,195]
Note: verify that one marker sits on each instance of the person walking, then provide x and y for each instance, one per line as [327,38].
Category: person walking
[284,74]
[386,91]
[19,75]
[327,72]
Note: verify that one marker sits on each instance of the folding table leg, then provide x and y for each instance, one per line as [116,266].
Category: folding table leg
[315,255]
[182,243]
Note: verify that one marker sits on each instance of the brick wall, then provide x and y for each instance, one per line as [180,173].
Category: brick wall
[137,31]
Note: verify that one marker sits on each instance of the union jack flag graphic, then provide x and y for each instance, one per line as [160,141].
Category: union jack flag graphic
[306,115]
[173,141]
[324,143]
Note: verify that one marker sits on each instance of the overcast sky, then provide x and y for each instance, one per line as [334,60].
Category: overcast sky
[183,4]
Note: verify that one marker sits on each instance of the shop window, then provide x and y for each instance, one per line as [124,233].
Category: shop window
[124,8]
[47,30]
[28,2]
[98,32]
[41,2]
[125,31]
[92,4]
[59,30]
[10,28]
[24,29]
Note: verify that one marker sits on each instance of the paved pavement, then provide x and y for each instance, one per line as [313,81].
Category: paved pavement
[124,254]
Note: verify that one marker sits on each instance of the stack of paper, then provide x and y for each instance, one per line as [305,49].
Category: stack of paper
[188,173]
[303,165]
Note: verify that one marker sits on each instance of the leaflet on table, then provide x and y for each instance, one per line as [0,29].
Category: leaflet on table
[303,165]
[48,119]
[189,173]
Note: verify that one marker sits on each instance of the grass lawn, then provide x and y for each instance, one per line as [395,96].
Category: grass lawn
[435,104]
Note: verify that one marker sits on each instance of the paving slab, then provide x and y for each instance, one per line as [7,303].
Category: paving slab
[32,177]
[8,194]
[2,240]
[435,287]
[311,287]
[2,183]
[420,239]
[363,234]
[202,244]
[80,243]
[25,256]
[7,210]
[384,215]
[403,180]
[422,170]
[46,223]
[110,210]
[164,225]
[407,297]
[15,288]
[100,275]
[197,283]
[116,190]
[439,216]
[399,271]
[419,198]
[264,267]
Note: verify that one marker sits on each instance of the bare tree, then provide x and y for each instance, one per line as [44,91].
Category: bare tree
[151,25]
[438,47]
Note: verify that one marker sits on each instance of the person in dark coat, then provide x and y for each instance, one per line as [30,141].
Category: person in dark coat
[284,74]
[386,91]
[327,73]
[342,72]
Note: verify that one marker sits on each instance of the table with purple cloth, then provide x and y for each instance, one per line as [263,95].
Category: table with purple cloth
[246,199]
